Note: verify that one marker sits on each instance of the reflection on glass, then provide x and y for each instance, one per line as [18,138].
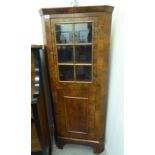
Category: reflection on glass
[83,73]
[66,73]
[65,53]
[83,33]
[63,33]
[83,54]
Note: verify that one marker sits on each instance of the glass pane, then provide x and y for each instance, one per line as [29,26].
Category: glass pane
[83,54]
[65,53]
[83,33]
[66,73]
[63,33]
[83,73]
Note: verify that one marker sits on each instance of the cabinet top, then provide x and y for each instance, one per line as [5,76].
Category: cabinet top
[70,10]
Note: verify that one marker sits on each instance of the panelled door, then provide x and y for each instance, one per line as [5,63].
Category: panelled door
[74,51]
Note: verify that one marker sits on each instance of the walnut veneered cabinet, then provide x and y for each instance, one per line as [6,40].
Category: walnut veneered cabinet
[77,41]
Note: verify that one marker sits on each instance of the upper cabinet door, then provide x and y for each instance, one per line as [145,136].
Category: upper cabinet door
[74,50]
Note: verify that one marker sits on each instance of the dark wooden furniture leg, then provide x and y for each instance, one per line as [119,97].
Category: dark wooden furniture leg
[60,144]
[98,147]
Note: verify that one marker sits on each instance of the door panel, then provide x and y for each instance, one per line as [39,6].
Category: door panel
[83,54]
[83,32]
[63,33]
[76,112]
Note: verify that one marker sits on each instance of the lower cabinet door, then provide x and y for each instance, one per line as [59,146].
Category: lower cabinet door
[75,114]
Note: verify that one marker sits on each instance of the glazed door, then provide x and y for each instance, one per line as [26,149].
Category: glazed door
[74,49]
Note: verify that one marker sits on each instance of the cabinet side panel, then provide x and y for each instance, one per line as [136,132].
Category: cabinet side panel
[104,27]
[49,53]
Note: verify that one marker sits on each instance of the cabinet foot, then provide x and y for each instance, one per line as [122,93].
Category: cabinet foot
[98,148]
[59,144]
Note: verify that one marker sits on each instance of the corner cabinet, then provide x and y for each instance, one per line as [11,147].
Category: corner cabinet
[77,42]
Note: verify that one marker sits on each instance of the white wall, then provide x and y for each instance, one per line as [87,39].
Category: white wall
[114,122]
